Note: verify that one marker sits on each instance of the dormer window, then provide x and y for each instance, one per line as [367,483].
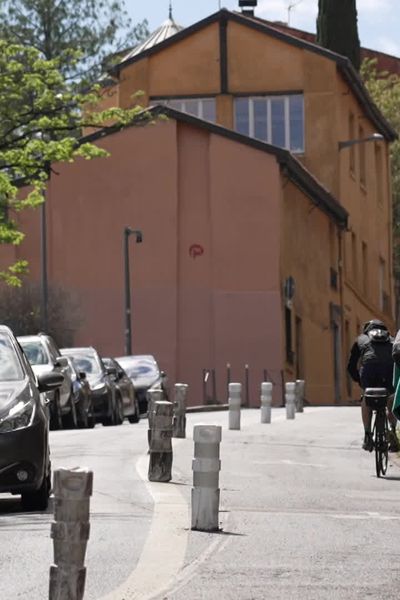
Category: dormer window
[278,120]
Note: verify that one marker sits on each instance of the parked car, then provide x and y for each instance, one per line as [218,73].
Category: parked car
[126,391]
[145,374]
[107,408]
[82,395]
[24,445]
[45,357]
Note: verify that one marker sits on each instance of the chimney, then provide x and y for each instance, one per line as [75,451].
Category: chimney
[248,7]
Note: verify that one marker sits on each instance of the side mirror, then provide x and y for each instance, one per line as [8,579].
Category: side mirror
[82,374]
[163,375]
[61,362]
[50,381]
[112,371]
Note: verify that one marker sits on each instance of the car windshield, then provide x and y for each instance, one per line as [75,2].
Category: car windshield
[10,367]
[35,352]
[87,363]
[140,367]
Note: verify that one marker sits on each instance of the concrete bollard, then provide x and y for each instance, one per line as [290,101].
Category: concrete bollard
[206,466]
[160,463]
[180,394]
[300,385]
[266,401]
[290,398]
[153,396]
[235,401]
[70,532]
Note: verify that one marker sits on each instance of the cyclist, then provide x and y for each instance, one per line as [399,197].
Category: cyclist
[371,365]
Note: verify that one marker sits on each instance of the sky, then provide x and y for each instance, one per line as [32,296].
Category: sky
[378,20]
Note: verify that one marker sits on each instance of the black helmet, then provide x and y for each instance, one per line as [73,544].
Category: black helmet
[373,324]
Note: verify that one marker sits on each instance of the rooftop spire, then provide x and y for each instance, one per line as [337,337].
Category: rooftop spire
[170,9]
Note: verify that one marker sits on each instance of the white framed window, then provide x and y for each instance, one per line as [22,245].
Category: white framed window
[204,108]
[278,120]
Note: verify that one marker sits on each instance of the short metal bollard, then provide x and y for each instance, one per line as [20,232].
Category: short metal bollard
[180,394]
[300,386]
[206,466]
[160,463]
[235,401]
[153,396]
[266,401]
[290,398]
[70,532]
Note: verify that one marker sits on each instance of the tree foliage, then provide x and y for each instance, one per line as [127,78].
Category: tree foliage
[95,28]
[384,89]
[337,28]
[39,116]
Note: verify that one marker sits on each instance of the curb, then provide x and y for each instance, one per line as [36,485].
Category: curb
[207,408]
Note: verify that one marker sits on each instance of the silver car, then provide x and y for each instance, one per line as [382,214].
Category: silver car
[45,357]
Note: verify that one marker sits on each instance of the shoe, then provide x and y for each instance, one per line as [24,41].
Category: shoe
[368,444]
[393,441]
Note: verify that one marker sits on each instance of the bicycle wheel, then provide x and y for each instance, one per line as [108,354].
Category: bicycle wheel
[381,443]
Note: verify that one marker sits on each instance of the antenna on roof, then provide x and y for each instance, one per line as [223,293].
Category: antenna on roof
[291,6]
[170,10]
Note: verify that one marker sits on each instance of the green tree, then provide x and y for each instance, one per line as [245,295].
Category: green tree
[95,28]
[384,89]
[39,113]
[337,28]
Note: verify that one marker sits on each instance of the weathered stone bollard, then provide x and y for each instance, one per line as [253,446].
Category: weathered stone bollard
[206,466]
[290,397]
[153,396]
[160,463]
[266,401]
[70,532]
[300,386]
[179,430]
[235,401]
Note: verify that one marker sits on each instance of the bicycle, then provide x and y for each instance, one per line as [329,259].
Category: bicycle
[376,399]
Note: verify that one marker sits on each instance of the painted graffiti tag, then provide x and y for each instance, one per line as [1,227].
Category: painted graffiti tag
[196,250]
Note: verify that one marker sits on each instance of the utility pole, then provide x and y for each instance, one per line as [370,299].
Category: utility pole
[128,315]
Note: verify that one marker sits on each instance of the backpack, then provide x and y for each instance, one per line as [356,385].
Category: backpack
[376,346]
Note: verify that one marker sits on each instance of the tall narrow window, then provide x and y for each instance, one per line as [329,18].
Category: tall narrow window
[299,349]
[362,157]
[352,150]
[382,282]
[365,268]
[379,173]
[354,257]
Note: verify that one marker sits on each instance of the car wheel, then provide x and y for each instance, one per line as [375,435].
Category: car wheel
[39,499]
[136,417]
[83,420]
[70,421]
[119,411]
[55,412]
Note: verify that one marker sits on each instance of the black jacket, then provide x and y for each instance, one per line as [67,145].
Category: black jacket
[365,351]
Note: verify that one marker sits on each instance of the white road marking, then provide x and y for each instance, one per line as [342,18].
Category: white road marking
[164,551]
[289,462]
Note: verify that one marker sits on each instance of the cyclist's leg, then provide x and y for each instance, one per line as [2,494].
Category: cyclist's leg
[366,413]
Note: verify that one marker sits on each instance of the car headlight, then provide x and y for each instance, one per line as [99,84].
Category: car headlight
[100,388]
[19,416]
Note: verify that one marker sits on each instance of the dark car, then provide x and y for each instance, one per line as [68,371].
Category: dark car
[145,374]
[44,357]
[82,395]
[106,407]
[25,467]
[126,391]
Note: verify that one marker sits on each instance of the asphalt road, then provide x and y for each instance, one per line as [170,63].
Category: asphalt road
[302,515]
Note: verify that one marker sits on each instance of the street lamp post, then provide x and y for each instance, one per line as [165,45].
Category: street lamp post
[128,315]
[375,137]
[44,284]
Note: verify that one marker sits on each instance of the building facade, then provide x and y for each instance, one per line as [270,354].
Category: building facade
[267,241]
